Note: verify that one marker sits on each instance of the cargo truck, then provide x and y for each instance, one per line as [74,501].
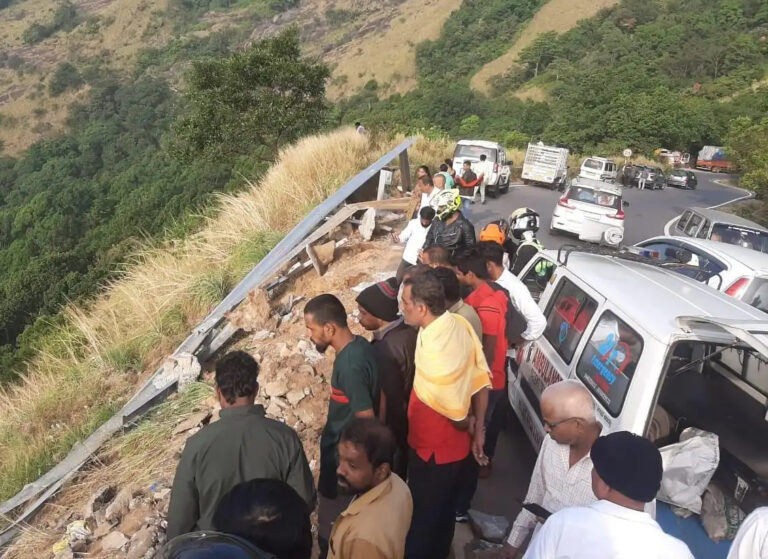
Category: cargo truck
[545,165]
[713,158]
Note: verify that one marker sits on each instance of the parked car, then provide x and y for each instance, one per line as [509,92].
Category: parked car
[715,225]
[740,272]
[471,150]
[655,179]
[598,168]
[682,178]
[593,210]
[546,165]
[659,353]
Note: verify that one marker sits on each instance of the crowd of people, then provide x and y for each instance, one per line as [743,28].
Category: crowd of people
[413,419]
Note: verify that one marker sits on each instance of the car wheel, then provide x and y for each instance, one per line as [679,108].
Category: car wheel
[504,188]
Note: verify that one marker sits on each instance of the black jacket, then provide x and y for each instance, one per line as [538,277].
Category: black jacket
[455,236]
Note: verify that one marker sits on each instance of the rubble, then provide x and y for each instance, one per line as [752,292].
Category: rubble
[141,542]
[120,506]
[113,541]
[488,527]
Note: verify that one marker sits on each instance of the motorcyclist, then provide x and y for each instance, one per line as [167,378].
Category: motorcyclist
[498,232]
[523,224]
[450,229]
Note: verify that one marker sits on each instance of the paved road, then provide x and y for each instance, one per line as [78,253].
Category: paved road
[647,213]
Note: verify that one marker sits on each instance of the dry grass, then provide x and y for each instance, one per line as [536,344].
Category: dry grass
[555,15]
[87,369]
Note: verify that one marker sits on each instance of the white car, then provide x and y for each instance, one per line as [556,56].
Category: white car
[598,168]
[496,156]
[740,272]
[593,210]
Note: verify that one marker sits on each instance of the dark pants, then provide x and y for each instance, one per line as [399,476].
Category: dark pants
[494,420]
[328,510]
[401,270]
[433,488]
[468,478]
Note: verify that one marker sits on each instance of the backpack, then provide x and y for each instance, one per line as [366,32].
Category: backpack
[514,320]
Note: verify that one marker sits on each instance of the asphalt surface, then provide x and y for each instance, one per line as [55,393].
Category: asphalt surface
[647,214]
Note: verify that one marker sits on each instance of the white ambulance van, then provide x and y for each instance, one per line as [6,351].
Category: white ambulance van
[658,351]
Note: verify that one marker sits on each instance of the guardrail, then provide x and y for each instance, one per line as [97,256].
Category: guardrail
[204,340]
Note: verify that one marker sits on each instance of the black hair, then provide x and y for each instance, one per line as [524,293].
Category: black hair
[449,162]
[443,168]
[426,180]
[491,251]
[326,308]
[270,514]
[237,376]
[439,255]
[426,170]
[450,284]
[467,163]
[470,260]
[374,437]
[417,269]
[483,157]
[427,212]
[357,124]
[427,290]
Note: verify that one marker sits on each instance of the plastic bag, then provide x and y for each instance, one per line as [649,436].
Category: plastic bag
[688,468]
[720,514]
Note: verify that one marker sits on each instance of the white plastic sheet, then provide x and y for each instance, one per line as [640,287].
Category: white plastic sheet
[688,468]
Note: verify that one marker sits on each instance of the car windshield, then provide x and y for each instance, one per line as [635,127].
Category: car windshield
[593,164]
[740,236]
[474,152]
[592,196]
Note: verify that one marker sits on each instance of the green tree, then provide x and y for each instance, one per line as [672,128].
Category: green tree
[470,126]
[747,146]
[65,77]
[251,102]
[540,53]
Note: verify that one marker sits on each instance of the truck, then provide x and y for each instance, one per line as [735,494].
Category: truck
[713,158]
[545,165]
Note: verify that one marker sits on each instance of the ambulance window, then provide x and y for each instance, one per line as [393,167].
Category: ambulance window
[693,225]
[609,361]
[568,315]
[538,276]
[681,223]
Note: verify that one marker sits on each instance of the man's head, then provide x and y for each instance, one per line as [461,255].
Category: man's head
[427,185]
[423,299]
[439,181]
[237,383]
[450,285]
[493,254]
[436,257]
[269,514]
[470,267]
[627,469]
[378,304]
[467,165]
[482,157]
[366,454]
[443,167]
[568,411]
[426,215]
[325,318]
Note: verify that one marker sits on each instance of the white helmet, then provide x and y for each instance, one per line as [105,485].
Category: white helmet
[522,220]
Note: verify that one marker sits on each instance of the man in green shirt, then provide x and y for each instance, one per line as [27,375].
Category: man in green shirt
[241,446]
[355,392]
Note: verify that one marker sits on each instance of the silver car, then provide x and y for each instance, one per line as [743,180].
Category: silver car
[682,178]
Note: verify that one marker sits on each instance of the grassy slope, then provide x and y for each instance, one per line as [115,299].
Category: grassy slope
[555,15]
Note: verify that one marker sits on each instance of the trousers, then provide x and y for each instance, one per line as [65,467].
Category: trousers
[481,188]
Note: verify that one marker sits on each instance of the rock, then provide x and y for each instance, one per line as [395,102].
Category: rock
[102,529]
[306,416]
[283,350]
[262,335]
[113,541]
[273,410]
[134,520]
[183,368]
[306,369]
[66,554]
[325,252]
[489,527]
[276,388]
[295,396]
[293,362]
[141,542]
[120,505]
[194,420]
[307,391]
[280,402]
[101,497]
[479,549]
[160,494]
[78,546]
[368,224]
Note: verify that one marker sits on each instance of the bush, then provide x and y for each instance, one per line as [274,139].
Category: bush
[65,77]
[64,19]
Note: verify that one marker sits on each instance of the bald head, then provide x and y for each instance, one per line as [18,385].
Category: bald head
[571,399]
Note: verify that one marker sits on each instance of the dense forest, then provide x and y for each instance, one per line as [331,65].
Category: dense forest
[645,74]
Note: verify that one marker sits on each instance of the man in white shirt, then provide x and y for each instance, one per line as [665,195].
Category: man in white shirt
[414,235]
[751,541]
[626,475]
[562,476]
[428,190]
[483,170]
[519,295]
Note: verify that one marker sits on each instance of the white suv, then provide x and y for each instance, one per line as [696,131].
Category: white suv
[591,209]
[471,150]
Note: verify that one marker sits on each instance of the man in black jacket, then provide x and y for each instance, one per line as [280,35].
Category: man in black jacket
[451,229]
[394,343]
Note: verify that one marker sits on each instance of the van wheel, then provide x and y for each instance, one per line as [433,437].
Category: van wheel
[504,188]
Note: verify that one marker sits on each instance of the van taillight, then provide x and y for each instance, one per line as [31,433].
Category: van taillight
[564,202]
[738,287]
[495,167]
[620,215]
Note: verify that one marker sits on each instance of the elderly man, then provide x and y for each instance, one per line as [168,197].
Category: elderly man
[626,475]
[562,476]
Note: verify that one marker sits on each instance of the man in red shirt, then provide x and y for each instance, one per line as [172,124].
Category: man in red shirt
[491,304]
[440,446]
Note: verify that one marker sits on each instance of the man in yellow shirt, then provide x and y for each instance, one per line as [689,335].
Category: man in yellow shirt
[375,524]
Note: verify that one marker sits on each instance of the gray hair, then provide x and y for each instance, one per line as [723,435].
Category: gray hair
[572,399]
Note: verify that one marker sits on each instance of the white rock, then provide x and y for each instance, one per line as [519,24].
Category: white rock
[295,396]
[113,541]
[273,410]
[141,542]
[276,388]
[120,506]
[262,335]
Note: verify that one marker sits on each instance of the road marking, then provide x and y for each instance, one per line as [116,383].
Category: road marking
[748,195]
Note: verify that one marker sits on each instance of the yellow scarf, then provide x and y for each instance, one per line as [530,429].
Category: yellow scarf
[450,366]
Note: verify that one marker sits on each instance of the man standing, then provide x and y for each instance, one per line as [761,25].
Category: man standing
[414,235]
[394,343]
[483,170]
[354,393]
[562,476]
[626,475]
[375,524]
[449,395]
[241,446]
[454,301]
[493,253]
